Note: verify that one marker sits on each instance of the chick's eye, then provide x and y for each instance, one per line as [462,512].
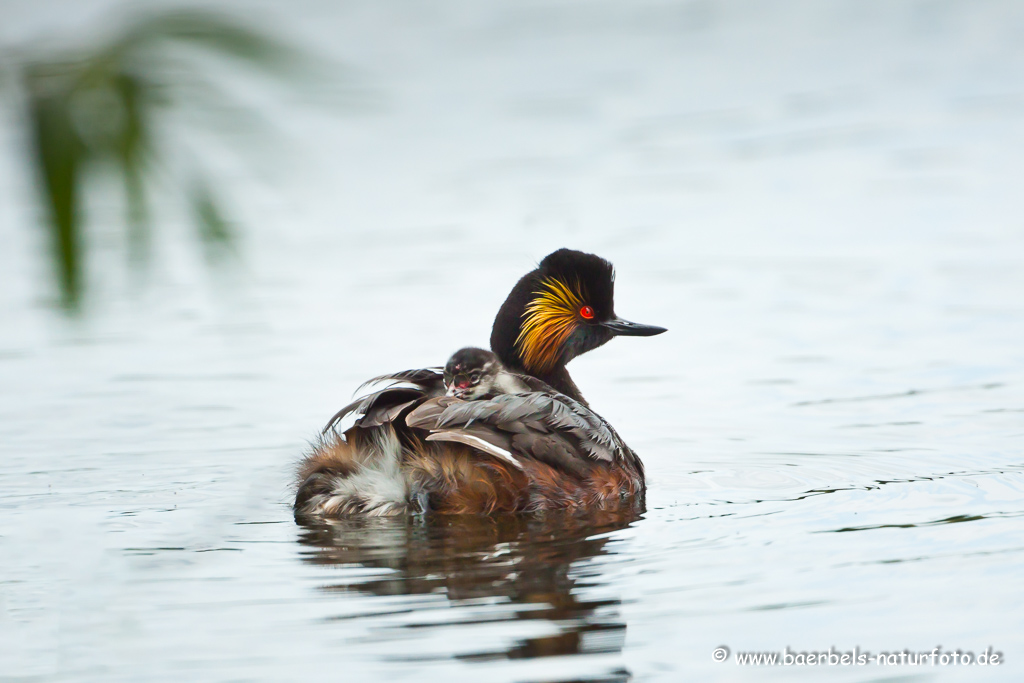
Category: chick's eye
[587,312]
[474,376]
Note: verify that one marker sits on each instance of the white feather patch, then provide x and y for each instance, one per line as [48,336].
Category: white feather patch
[378,487]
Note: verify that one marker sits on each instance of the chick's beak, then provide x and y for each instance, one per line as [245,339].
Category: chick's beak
[624,328]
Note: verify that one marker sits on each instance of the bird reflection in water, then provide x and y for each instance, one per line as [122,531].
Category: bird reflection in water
[523,560]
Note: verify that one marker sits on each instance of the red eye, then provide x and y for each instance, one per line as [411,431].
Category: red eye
[587,312]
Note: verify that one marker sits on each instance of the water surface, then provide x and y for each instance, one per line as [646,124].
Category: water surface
[819,200]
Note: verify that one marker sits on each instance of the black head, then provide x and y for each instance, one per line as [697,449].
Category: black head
[562,309]
[470,371]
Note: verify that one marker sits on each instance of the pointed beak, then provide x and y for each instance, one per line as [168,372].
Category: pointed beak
[624,328]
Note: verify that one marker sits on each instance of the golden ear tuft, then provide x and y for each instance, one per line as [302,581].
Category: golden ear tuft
[549,320]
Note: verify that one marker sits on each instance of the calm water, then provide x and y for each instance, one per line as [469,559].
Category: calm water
[820,200]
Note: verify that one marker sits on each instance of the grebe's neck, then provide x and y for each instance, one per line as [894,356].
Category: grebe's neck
[558,379]
[561,381]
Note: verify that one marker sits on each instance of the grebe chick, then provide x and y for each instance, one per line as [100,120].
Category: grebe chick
[472,374]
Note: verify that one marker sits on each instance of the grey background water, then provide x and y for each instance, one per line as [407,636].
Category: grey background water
[820,200]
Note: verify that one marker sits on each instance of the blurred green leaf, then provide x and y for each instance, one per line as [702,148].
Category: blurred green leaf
[58,155]
[218,33]
[214,231]
[99,105]
[130,149]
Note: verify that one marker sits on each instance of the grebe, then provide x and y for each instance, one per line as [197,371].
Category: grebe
[472,374]
[414,449]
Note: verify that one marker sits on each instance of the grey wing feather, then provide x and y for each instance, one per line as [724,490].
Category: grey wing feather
[553,449]
[533,413]
[500,409]
[429,379]
[387,404]
[385,414]
[427,414]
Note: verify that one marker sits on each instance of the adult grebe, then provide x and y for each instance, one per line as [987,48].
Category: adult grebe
[413,449]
